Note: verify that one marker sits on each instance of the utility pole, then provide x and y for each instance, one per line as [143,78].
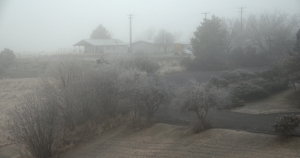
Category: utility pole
[205,14]
[130,33]
[241,8]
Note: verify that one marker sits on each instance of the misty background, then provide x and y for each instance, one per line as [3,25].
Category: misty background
[47,26]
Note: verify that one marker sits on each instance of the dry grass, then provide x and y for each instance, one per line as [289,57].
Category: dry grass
[163,140]
[170,67]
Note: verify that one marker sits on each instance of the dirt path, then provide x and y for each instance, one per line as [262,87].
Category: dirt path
[168,141]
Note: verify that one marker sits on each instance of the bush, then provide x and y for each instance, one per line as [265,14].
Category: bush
[245,74]
[270,86]
[7,57]
[231,76]
[234,103]
[34,125]
[186,62]
[202,63]
[273,74]
[148,93]
[145,63]
[249,92]
[198,98]
[218,81]
[286,124]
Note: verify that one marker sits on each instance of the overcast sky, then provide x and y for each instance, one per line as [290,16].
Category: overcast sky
[49,25]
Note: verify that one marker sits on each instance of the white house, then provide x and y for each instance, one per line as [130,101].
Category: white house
[103,46]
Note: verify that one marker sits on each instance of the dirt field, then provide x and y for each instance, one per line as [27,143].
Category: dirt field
[164,140]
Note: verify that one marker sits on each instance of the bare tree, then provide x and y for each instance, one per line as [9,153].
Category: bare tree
[233,35]
[164,39]
[146,35]
[177,35]
[65,71]
[272,32]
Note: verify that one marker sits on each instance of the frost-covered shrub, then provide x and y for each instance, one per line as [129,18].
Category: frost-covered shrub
[64,72]
[231,76]
[169,67]
[245,74]
[199,98]
[234,103]
[34,126]
[218,81]
[272,86]
[138,61]
[248,92]
[148,93]
[286,124]
[145,63]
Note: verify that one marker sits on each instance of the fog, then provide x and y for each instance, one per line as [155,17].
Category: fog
[34,25]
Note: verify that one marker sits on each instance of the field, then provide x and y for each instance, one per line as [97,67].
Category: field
[161,140]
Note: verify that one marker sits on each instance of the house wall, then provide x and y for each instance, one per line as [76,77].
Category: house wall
[106,49]
[115,49]
[145,47]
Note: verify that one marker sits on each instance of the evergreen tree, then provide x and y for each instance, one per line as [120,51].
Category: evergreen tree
[209,37]
[100,33]
[209,43]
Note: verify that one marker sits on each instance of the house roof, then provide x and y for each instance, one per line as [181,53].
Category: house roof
[148,41]
[142,41]
[101,42]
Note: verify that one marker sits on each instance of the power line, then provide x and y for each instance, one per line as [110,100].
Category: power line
[205,14]
[130,33]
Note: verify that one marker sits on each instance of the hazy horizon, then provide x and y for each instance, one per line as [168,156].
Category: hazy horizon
[34,26]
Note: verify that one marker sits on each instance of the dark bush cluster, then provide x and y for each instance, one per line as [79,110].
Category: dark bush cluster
[246,74]
[7,57]
[248,85]
[286,124]
[271,86]
[231,76]
[218,81]
[186,62]
[249,92]
[204,63]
